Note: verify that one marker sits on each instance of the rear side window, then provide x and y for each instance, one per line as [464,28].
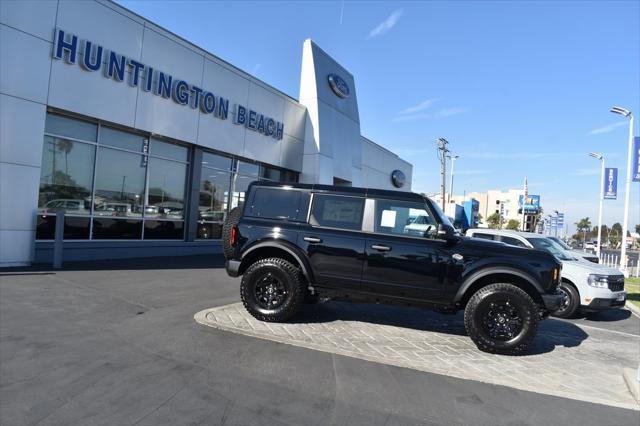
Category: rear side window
[275,203]
[483,236]
[337,212]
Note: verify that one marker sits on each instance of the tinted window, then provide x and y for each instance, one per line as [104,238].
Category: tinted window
[403,218]
[337,212]
[64,126]
[512,241]
[483,236]
[276,203]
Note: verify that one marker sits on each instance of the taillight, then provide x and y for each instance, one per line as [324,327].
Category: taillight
[232,237]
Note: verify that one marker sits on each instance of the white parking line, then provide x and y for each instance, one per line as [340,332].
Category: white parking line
[604,329]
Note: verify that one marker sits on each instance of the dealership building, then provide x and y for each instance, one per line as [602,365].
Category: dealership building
[146,141]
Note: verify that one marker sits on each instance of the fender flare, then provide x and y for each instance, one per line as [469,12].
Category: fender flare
[306,269]
[468,282]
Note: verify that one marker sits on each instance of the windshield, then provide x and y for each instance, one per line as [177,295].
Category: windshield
[443,219]
[560,243]
[550,246]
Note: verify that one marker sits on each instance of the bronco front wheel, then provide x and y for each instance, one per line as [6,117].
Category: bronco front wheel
[501,318]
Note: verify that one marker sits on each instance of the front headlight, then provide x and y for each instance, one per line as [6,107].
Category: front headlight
[598,281]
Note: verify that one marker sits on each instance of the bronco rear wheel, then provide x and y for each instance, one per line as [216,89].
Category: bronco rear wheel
[501,318]
[272,290]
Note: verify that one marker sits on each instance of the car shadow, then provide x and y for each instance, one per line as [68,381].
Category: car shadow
[551,334]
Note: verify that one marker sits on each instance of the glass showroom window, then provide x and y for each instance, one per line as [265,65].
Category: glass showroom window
[215,182]
[113,186]
[66,177]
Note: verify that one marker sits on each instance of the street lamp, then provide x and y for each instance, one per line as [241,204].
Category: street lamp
[625,224]
[601,158]
[453,159]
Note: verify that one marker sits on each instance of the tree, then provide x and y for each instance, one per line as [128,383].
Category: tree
[513,224]
[638,229]
[65,146]
[583,225]
[494,221]
[616,234]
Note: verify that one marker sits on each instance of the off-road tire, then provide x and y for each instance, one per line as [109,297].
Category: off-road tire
[573,302]
[520,300]
[232,220]
[288,274]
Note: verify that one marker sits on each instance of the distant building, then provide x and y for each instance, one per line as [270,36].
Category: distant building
[505,203]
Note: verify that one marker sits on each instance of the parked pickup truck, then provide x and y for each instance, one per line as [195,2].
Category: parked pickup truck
[297,242]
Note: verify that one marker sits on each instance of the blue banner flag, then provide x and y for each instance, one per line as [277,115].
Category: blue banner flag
[610,183]
[635,158]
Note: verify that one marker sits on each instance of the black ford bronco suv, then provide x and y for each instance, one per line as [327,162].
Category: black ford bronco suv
[296,243]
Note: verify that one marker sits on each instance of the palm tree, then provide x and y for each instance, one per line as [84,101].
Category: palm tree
[65,145]
[582,225]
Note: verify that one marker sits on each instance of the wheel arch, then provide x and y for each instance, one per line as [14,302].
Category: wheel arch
[275,249]
[488,276]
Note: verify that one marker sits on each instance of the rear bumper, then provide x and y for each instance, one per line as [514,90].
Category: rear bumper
[233,267]
[552,302]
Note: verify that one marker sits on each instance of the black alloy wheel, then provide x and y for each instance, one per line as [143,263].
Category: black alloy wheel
[269,291]
[501,318]
[272,289]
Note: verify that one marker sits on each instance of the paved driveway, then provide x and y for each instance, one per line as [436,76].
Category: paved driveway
[564,360]
[115,343]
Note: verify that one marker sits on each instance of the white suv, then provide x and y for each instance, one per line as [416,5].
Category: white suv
[587,286]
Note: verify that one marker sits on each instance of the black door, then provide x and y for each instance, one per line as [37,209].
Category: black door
[334,241]
[403,256]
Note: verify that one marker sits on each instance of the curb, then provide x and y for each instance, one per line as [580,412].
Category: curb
[632,379]
[630,306]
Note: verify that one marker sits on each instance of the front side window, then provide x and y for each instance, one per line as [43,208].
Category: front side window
[404,218]
[337,212]
[483,236]
[512,241]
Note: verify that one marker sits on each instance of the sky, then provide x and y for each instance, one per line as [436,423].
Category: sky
[519,89]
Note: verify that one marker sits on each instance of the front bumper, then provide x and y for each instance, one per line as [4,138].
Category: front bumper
[552,302]
[233,267]
[600,304]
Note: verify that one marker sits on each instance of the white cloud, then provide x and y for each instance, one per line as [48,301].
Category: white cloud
[607,129]
[448,112]
[387,24]
[410,117]
[256,68]
[426,104]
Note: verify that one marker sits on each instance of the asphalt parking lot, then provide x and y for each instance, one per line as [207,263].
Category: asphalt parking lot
[116,343]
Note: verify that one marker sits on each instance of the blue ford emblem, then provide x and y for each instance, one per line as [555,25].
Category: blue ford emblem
[398,178]
[338,85]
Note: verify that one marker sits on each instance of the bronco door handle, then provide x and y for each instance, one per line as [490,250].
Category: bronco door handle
[313,240]
[380,247]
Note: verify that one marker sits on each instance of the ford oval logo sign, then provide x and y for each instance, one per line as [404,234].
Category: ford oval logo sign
[339,86]
[398,178]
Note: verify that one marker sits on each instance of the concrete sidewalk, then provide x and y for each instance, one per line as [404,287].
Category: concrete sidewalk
[114,343]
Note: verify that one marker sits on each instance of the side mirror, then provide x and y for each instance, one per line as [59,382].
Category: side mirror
[446,232]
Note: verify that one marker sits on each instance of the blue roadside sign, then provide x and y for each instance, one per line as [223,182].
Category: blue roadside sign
[610,183]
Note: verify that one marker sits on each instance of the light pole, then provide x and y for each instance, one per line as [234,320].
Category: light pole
[453,159]
[442,152]
[601,158]
[625,221]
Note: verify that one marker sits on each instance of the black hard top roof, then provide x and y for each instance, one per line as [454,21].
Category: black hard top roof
[345,190]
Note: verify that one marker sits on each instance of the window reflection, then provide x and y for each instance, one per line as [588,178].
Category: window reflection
[213,202]
[167,181]
[66,176]
[120,180]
